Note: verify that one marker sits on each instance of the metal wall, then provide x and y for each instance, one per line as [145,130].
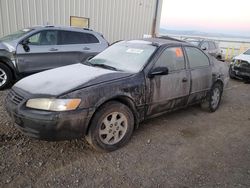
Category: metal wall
[116,19]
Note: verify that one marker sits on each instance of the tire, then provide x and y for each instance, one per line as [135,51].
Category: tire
[111,127]
[5,76]
[213,100]
[231,74]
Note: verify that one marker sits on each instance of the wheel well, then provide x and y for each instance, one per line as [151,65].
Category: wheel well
[7,65]
[124,100]
[219,82]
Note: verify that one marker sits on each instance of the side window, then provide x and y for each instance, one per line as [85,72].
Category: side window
[34,40]
[212,45]
[196,57]
[172,58]
[71,37]
[204,46]
[44,38]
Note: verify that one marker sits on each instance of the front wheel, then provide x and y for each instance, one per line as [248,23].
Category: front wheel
[5,76]
[111,127]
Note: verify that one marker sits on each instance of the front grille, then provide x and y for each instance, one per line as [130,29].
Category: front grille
[245,65]
[14,97]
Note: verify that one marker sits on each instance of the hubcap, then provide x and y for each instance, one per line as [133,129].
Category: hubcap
[215,97]
[113,128]
[3,77]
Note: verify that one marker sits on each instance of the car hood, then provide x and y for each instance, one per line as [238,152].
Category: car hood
[68,78]
[8,46]
[243,57]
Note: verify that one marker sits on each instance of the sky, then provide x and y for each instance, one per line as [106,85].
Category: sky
[216,16]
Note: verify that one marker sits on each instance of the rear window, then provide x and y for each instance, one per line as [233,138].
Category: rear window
[71,37]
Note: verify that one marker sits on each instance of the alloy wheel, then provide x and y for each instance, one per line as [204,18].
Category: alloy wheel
[215,97]
[113,128]
[3,77]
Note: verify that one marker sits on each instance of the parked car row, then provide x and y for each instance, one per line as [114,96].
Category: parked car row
[209,46]
[105,98]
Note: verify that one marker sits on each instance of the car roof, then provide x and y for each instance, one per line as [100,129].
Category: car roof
[40,27]
[164,40]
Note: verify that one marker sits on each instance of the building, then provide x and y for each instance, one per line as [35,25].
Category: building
[115,19]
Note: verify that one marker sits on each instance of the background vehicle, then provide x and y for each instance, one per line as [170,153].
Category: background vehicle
[40,48]
[240,66]
[107,97]
[208,46]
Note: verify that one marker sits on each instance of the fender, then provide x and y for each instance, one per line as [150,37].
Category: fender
[10,64]
[123,98]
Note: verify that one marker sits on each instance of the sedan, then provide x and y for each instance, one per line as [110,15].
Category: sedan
[104,99]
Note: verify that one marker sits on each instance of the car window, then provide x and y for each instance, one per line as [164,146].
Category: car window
[125,56]
[172,58]
[196,57]
[44,38]
[212,45]
[204,45]
[15,35]
[71,37]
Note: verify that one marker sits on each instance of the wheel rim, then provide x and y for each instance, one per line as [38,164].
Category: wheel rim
[3,77]
[215,97]
[113,128]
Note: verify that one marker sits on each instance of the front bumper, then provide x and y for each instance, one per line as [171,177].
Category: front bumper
[240,72]
[47,125]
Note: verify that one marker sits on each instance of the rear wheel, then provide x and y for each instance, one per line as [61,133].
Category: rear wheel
[213,100]
[5,76]
[111,127]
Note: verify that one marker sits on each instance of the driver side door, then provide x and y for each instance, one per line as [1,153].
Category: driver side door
[168,92]
[40,52]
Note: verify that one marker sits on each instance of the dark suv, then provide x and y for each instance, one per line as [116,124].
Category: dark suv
[208,46]
[41,48]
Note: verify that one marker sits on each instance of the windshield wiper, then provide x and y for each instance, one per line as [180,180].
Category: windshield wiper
[104,66]
[87,63]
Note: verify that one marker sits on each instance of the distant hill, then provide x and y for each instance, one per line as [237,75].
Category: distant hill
[198,33]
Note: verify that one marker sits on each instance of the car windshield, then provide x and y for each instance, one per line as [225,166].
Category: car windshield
[15,35]
[247,52]
[128,56]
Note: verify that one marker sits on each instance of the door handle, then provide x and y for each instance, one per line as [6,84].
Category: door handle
[184,79]
[53,49]
[86,48]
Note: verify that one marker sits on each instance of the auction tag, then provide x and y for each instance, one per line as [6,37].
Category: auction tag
[134,50]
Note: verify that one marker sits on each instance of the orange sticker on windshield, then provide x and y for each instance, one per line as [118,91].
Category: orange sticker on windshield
[178,52]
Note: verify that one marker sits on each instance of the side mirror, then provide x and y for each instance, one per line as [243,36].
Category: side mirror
[158,71]
[25,44]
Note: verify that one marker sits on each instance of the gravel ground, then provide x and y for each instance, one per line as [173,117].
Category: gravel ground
[187,148]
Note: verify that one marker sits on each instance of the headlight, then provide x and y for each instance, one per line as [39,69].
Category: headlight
[53,104]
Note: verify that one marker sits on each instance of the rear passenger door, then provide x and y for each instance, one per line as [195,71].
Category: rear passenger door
[170,91]
[77,46]
[201,73]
